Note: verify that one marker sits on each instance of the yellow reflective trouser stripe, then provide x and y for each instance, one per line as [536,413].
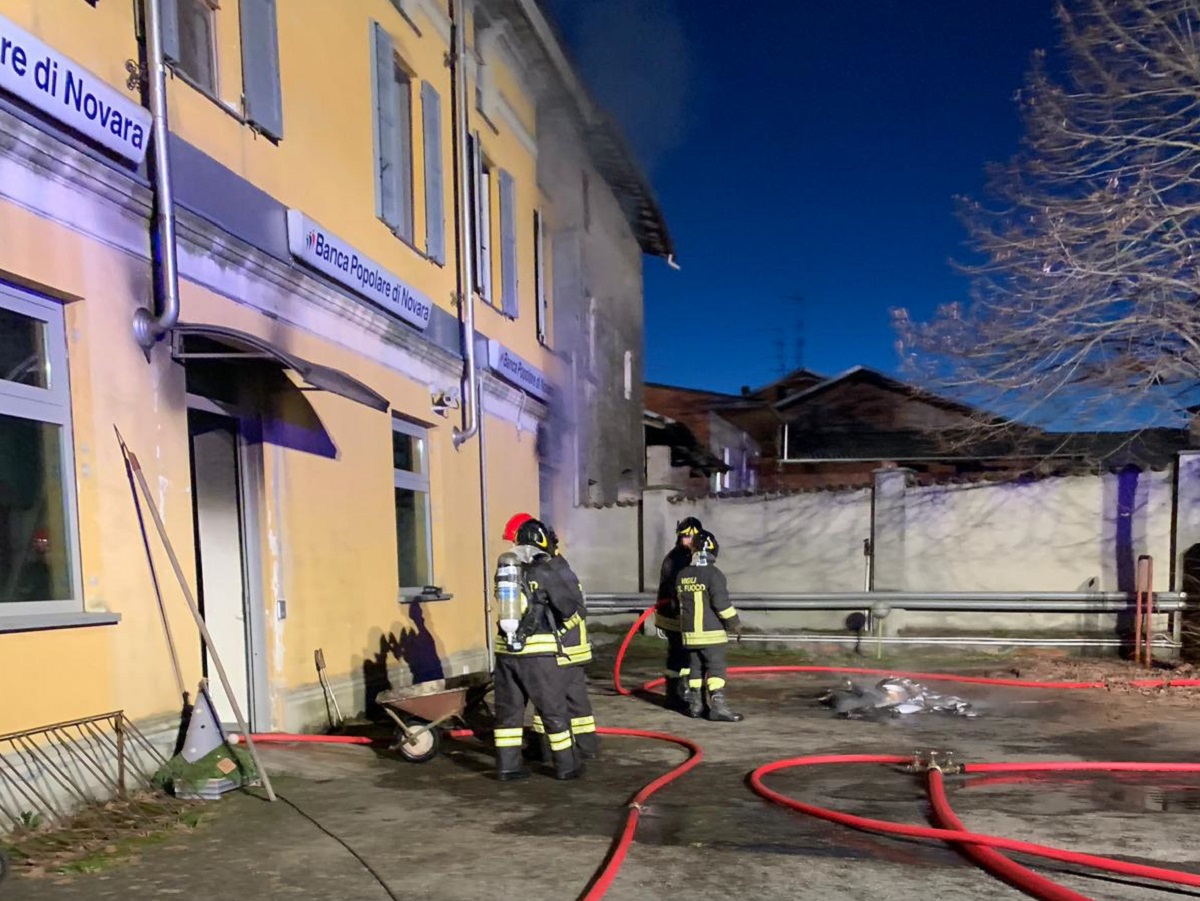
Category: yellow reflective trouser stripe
[538,726]
[582,724]
[560,741]
[728,613]
[703,639]
[715,683]
[696,683]
[509,738]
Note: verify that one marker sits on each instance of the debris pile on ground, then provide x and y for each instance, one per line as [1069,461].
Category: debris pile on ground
[1118,676]
[892,696]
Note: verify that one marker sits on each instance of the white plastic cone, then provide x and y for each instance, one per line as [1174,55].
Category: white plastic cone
[204,733]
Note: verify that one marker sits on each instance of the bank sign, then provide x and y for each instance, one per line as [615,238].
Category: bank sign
[59,87]
[315,247]
[506,364]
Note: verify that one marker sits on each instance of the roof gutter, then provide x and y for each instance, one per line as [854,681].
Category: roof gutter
[147,327]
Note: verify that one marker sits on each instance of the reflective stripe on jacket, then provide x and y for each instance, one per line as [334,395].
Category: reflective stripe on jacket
[561,606]
[576,649]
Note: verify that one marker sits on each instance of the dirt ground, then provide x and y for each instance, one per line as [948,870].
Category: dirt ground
[353,823]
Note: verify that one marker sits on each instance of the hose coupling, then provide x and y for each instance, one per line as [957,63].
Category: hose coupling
[941,761]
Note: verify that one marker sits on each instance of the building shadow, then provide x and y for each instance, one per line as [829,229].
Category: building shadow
[416,647]
[1125,555]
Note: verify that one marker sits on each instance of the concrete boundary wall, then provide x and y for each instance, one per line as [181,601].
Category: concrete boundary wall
[1077,533]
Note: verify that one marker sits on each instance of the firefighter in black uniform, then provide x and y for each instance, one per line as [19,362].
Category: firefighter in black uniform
[535,604]
[706,618]
[576,648]
[666,616]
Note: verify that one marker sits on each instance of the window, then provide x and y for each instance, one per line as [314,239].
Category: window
[539,278]
[591,334]
[586,191]
[197,44]
[509,282]
[393,137]
[629,375]
[410,472]
[191,30]
[545,493]
[38,554]
[483,233]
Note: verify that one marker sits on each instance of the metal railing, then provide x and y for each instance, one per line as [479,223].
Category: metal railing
[948,602]
[49,771]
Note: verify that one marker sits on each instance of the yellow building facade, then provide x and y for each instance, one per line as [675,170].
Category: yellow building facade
[296,425]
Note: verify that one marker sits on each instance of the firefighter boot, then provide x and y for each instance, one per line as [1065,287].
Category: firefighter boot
[568,764]
[588,745]
[718,710]
[685,695]
[537,747]
[508,765]
[695,701]
[674,693]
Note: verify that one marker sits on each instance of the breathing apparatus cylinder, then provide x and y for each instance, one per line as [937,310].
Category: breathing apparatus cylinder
[508,598]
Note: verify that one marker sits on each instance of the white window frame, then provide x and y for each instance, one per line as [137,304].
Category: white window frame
[212,6]
[405,182]
[418,482]
[539,278]
[52,406]
[629,375]
[483,211]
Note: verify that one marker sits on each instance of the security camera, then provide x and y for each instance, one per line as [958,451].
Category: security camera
[445,400]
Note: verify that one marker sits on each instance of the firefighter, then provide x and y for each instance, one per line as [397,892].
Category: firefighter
[535,604]
[706,618]
[666,616]
[576,648]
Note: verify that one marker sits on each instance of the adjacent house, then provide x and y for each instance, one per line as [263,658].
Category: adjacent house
[805,431]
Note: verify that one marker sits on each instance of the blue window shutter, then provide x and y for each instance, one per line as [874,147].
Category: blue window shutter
[508,244]
[169,15]
[260,66]
[435,211]
[384,93]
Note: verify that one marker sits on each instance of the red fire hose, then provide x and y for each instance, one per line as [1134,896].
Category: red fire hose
[983,849]
[864,671]
[603,879]
[959,836]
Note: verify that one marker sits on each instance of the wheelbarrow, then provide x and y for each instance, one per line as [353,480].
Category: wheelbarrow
[420,711]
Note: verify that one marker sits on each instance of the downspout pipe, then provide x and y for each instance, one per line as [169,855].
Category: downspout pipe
[464,252]
[466,259]
[147,327]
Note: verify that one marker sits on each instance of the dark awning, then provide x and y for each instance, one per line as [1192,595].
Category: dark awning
[215,342]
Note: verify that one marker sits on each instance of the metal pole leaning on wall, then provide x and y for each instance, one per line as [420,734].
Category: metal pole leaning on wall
[136,467]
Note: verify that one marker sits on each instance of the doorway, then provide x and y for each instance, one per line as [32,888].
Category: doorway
[221,477]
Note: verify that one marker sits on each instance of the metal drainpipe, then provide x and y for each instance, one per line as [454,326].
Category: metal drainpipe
[148,328]
[466,261]
[472,415]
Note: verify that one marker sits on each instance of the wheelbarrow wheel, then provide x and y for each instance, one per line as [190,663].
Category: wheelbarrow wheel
[421,747]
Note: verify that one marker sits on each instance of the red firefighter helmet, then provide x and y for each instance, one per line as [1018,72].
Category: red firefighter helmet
[514,525]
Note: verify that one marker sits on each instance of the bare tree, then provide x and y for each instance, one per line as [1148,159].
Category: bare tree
[1087,302]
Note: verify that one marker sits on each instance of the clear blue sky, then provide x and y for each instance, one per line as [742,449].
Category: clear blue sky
[804,147]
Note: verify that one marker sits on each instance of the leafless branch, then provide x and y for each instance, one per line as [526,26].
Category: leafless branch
[1087,302]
